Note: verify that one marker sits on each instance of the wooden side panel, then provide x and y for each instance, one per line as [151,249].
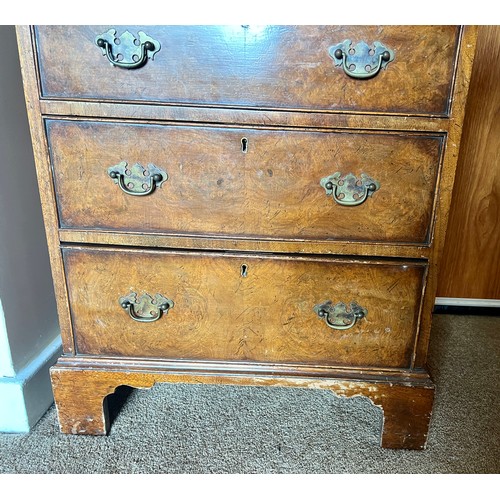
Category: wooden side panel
[256,66]
[471,259]
[45,184]
[244,307]
[464,68]
[269,190]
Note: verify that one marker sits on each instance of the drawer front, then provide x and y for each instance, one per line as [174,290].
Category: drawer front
[286,67]
[243,307]
[277,189]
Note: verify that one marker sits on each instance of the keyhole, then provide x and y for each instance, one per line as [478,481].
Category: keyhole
[244,270]
[244,145]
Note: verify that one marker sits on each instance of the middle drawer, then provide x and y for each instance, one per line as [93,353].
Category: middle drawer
[245,183]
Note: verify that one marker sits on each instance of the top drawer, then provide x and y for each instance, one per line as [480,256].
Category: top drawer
[281,67]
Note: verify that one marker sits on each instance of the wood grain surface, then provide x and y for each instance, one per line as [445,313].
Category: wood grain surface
[270,191]
[255,66]
[452,149]
[260,117]
[187,242]
[471,259]
[80,395]
[258,329]
[45,182]
[221,314]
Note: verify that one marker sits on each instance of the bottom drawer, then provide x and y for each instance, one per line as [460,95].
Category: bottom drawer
[263,308]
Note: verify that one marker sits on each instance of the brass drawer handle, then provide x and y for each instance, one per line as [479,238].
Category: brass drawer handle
[340,316]
[361,60]
[137,180]
[347,189]
[145,309]
[127,51]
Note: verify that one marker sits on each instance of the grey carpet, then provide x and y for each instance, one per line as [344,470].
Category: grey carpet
[215,429]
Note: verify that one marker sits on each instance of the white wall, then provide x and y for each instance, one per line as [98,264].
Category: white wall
[28,321]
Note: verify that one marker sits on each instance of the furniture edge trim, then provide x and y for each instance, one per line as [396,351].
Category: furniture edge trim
[447,177]
[190,242]
[44,177]
[191,370]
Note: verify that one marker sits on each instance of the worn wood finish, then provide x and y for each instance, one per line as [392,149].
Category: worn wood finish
[266,315]
[464,69]
[45,184]
[272,190]
[395,103]
[471,259]
[256,66]
[329,247]
[80,394]
[255,118]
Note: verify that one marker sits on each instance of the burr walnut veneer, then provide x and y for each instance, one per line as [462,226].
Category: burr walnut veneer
[260,205]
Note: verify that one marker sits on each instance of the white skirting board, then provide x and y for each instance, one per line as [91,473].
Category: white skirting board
[27,396]
[447,301]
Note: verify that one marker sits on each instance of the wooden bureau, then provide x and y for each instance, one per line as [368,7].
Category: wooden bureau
[257,205]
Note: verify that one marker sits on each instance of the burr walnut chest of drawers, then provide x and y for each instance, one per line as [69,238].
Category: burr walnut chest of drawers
[256,205]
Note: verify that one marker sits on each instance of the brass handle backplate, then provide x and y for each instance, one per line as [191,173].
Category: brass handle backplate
[127,51]
[137,180]
[349,190]
[361,60]
[340,316]
[145,309]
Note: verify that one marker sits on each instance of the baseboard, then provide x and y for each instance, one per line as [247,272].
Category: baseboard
[27,396]
[449,301]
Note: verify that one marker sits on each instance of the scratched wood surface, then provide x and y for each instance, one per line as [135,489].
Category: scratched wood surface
[255,66]
[471,259]
[463,73]
[266,315]
[270,191]
[260,117]
[82,407]
[384,355]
